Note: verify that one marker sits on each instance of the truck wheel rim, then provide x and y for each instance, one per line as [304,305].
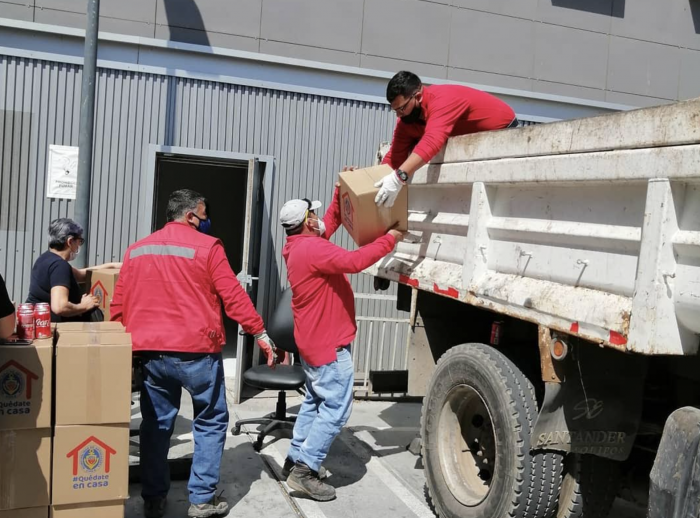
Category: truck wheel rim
[466,445]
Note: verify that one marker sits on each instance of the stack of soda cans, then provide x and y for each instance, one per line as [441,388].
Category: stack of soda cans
[33,321]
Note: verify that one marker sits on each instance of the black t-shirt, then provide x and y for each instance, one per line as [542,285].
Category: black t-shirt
[50,271]
[6,306]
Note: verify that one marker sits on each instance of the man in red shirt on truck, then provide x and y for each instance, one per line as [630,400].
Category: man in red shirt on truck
[168,297]
[428,116]
[323,306]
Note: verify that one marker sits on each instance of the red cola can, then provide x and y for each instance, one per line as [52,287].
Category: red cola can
[25,323]
[24,305]
[42,320]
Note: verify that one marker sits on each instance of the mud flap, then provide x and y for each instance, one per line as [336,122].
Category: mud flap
[675,477]
[597,406]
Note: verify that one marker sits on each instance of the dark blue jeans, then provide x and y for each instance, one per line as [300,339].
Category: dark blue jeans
[164,378]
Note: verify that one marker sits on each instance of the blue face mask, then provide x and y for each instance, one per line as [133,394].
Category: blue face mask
[204,224]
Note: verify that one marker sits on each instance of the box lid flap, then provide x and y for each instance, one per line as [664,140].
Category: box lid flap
[362,181]
[80,327]
[93,338]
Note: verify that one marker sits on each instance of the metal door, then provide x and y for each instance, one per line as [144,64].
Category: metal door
[250,266]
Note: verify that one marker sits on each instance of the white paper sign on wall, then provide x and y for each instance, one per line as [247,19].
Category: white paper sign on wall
[63,172]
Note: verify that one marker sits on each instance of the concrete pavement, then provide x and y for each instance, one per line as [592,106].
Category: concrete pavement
[370,468]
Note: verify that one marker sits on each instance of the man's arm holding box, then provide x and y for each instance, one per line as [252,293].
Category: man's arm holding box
[331,259]
[401,144]
[332,218]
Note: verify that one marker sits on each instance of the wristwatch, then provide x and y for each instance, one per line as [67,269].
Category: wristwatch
[403,175]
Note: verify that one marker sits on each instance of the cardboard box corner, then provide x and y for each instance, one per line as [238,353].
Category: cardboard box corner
[363,220]
[101,284]
[93,378]
[90,464]
[110,509]
[26,385]
[25,457]
[33,512]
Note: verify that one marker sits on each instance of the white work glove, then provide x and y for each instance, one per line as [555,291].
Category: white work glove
[268,347]
[389,188]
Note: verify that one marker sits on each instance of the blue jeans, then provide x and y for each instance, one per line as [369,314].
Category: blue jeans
[325,410]
[164,378]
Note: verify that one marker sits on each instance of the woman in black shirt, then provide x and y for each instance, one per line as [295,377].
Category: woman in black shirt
[7,312]
[54,281]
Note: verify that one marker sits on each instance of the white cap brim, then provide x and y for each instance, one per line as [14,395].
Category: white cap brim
[294,211]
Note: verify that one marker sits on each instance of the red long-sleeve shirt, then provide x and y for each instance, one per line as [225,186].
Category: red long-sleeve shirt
[170,289]
[448,110]
[323,303]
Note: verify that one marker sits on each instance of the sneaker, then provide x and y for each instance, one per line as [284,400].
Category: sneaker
[289,464]
[305,480]
[217,506]
[154,507]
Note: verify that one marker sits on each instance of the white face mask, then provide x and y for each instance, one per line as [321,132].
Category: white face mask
[321,227]
[73,254]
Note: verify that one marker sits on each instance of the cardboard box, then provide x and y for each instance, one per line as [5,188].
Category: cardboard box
[361,217]
[26,374]
[101,284]
[83,327]
[25,468]
[91,510]
[93,378]
[36,512]
[90,464]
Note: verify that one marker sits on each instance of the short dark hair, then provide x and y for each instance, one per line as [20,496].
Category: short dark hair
[295,231]
[60,230]
[404,83]
[183,201]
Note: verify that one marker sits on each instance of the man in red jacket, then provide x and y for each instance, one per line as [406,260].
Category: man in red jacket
[169,297]
[428,116]
[324,326]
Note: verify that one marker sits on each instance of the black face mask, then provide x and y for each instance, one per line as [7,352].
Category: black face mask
[414,117]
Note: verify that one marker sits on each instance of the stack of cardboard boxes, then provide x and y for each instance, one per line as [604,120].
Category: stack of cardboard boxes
[64,424]
[93,410]
[26,374]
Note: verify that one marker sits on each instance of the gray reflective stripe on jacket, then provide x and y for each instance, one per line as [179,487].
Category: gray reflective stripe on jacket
[172,250]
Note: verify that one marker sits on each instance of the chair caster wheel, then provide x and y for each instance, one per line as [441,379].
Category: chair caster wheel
[236,430]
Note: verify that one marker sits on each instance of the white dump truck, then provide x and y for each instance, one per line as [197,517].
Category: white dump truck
[553,278]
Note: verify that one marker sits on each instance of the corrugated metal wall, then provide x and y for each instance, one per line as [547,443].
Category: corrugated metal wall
[311,138]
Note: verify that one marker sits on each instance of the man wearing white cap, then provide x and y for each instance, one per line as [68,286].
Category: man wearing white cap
[324,326]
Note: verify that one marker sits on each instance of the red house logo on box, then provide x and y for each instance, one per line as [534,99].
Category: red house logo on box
[90,456]
[348,211]
[99,291]
[16,381]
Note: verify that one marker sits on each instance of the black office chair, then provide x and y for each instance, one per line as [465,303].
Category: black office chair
[284,377]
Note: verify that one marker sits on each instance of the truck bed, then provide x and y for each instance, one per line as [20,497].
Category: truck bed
[590,227]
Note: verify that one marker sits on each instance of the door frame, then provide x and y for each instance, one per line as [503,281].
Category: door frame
[147,204]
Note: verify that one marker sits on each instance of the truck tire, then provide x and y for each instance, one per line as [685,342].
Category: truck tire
[589,487]
[477,418]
